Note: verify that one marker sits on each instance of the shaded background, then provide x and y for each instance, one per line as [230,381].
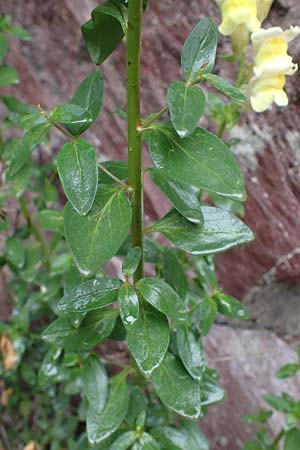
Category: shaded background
[265,274]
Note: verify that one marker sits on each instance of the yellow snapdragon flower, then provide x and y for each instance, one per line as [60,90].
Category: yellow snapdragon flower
[270,49]
[263,91]
[248,13]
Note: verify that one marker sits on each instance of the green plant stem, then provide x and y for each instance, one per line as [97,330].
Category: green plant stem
[154,117]
[135,12]
[277,440]
[241,74]
[221,129]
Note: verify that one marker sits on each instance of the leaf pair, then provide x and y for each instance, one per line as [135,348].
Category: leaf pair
[186,102]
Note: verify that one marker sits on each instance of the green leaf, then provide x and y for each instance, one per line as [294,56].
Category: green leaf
[160,295]
[78,172]
[50,368]
[69,114]
[287,371]
[17,183]
[148,339]
[16,106]
[225,87]
[94,329]
[89,96]
[25,146]
[95,383]
[176,389]
[118,168]
[221,231]
[14,252]
[191,352]
[207,315]
[230,307]
[183,197]
[8,75]
[186,105]
[171,439]
[281,404]
[90,295]
[104,32]
[124,441]
[51,220]
[201,160]
[146,442]
[199,51]
[174,272]
[101,425]
[132,261]
[96,238]
[292,440]
[3,46]
[193,432]
[128,305]
[211,392]
[262,417]
[20,33]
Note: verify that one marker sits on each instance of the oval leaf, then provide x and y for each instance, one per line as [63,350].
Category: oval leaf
[8,75]
[69,114]
[94,329]
[160,295]
[128,305]
[101,425]
[183,197]
[25,146]
[225,87]
[78,172]
[104,32]
[88,96]
[191,352]
[186,105]
[230,307]
[96,238]
[201,160]
[132,261]
[221,231]
[90,295]
[292,440]
[199,51]
[148,339]
[176,388]
[95,383]
[124,441]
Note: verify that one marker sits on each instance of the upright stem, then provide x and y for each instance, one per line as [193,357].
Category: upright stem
[135,13]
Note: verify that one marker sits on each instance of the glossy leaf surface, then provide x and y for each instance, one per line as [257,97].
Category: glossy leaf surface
[131,261]
[176,388]
[128,305]
[162,297]
[101,425]
[211,391]
[221,231]
[148,339]
[207,315]
[230,307]
[174,272]
[94,329]
[200,159]
[225,87]
[25,146]
[186,105]
[69,114]
[199,51]
[90,295]
[95,238]
[124,441]
[106,29]
[183,197]
[191,352]
[78,172]
[95,383]
[88,96]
